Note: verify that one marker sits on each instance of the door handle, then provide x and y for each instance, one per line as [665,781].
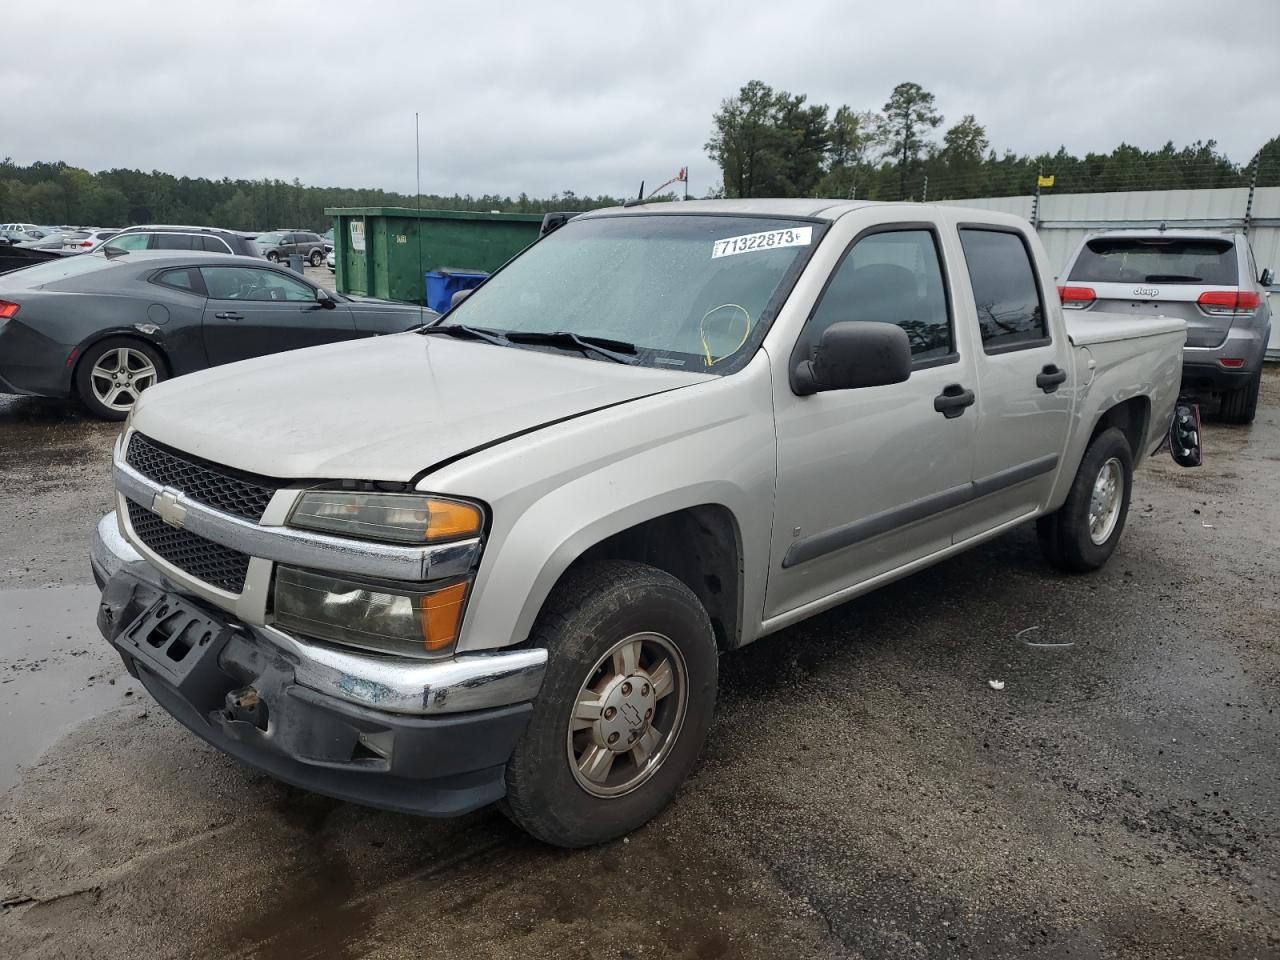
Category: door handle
[952,400]
[229,316]
[1050,378]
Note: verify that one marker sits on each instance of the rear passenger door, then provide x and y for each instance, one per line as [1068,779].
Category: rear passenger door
[1023,374]
[254,311]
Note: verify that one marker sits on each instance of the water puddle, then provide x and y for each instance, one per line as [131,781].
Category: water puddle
[56,672]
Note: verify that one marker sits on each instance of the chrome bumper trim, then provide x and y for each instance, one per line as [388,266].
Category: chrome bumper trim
[109,551]
[473,681]
[287,545]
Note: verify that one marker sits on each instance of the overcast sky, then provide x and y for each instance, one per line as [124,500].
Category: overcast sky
[547,96]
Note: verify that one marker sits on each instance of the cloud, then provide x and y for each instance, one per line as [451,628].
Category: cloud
[592,97]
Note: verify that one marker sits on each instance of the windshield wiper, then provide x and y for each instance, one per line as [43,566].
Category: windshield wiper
[470,333]
[619,351]
[1171,278]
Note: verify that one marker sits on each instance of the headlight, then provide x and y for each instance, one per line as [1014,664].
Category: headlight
[393,517]
[399,619]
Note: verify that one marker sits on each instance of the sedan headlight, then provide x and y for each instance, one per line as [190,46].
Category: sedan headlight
[398,619]
[390,517]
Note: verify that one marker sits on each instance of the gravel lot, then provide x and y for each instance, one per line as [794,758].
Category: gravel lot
[865,793]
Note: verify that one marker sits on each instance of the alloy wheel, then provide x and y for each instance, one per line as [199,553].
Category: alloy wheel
[627,715]
[120,375]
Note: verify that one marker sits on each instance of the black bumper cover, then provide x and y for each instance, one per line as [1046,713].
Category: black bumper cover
[1215,378]
[239,694]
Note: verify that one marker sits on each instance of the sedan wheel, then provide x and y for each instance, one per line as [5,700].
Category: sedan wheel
[113,374]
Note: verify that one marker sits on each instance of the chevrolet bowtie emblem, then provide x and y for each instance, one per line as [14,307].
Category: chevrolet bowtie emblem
[167,505]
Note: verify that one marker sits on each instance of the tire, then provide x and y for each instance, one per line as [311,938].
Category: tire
[317,258]
[100,376]
[590,612]
[273,256]
[1070,538]
[1241,406]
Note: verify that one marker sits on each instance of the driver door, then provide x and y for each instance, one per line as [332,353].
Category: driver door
[254,311]
[868,478]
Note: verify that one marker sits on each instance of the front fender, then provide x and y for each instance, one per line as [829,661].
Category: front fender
[556,493]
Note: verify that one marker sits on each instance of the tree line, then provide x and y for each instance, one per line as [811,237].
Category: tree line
[767,143]
[57,193]
[772,143]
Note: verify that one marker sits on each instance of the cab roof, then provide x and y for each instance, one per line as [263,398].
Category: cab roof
[813,208]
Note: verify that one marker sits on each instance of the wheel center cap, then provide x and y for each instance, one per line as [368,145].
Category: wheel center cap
[629,705]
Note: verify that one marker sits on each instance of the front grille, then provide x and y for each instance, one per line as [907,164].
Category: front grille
[243,495]
[203,559]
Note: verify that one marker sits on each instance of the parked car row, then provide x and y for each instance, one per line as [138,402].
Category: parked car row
[274,245]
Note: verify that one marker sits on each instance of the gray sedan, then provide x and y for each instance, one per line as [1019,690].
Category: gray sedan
[104,327]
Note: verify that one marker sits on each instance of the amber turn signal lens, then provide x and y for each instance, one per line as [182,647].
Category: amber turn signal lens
[451,518]
[441,614]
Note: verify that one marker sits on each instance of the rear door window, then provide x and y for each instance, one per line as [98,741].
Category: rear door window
[186,279]
[214,245]
[1005,291]
[1157,260]
[175,241]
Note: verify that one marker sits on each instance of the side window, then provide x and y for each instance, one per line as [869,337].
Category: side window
[184,279]
[891,277]
[214,245]
[127,241]
[1005,292]
[174,241]
[249,283]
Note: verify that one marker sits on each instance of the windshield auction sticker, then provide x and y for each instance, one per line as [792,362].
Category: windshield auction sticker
[769,240]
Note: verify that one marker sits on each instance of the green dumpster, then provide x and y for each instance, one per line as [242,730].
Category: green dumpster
[384,251]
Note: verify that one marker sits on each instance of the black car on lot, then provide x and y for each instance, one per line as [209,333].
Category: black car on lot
[105,326]
[279,244]
[207,239]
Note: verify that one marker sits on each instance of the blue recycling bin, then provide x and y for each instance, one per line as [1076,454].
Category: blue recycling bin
[444,282]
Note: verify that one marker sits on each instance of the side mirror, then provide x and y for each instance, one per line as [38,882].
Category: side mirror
[855,354]
[325,298]
[1267,277]
[458,297]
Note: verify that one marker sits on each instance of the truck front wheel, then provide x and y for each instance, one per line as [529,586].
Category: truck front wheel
[1082,534]
[625,705]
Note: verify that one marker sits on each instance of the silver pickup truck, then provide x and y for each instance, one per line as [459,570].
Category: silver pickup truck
[497,558]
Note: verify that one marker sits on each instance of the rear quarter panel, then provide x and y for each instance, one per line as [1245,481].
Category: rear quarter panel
[1113,371]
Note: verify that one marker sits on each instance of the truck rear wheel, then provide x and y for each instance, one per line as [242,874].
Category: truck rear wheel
[1082,534]
[1241,406]
[624,709]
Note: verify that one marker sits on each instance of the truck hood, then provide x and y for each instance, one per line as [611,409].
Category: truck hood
[385,408]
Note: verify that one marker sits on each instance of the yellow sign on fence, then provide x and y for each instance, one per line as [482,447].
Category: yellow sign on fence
[1045,181]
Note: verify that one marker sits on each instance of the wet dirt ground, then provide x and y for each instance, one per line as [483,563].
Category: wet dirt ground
[865,792]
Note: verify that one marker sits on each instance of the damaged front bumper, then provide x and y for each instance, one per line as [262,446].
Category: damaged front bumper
[430,738]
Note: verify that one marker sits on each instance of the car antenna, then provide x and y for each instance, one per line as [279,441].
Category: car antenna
[639,199]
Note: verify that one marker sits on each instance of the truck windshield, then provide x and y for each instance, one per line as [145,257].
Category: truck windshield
[688,291]
[1157,260]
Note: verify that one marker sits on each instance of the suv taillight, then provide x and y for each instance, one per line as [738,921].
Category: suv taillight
[8,309]
[1224,303]
[1076,298]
